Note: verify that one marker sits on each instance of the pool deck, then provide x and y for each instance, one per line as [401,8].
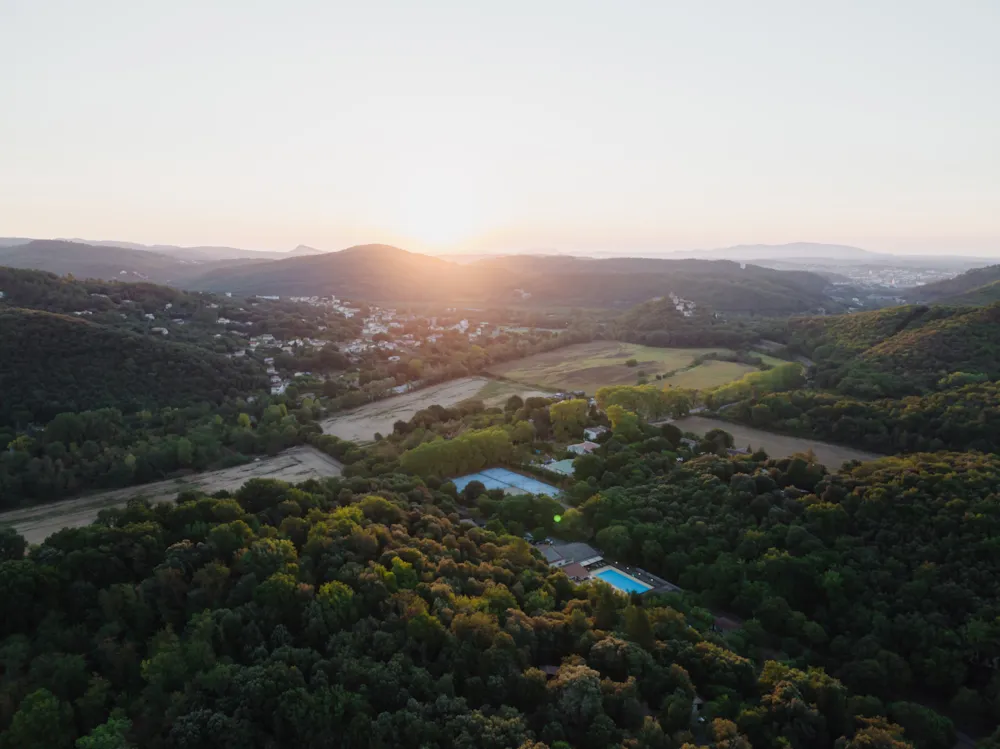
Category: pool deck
[656,584]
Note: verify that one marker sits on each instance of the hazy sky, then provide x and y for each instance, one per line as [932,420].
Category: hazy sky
[483,126]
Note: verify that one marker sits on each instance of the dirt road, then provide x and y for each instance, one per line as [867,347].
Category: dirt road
[294,465]
[360,424]
[776,445]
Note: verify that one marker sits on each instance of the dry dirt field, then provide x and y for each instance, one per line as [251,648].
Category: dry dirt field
[294,465]
[361,424]
[776,445]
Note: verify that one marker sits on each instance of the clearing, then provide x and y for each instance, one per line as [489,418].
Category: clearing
[776,445]
[360,424]
[588,366]
[295,465]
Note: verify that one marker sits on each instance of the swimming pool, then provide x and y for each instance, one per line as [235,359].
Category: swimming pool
[623,582]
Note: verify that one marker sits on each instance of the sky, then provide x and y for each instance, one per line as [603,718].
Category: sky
[498,127]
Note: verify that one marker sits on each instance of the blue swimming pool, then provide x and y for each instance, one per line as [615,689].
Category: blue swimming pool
[622,582]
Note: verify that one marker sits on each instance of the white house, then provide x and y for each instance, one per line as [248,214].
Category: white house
[592,433]
[583,448]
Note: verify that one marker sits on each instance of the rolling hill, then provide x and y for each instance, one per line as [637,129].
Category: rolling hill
[112,263]
[54,363]
[385,273]
[89,261]
[977,286]
[901,351]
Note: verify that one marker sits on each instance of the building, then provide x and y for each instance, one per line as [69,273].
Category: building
[565,467]
[562,554]
[576,571]
[583,448]
[592,433]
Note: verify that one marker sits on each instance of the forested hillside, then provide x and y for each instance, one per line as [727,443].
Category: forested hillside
[54,363]
[883,573]
[659,323]
[362,613]
[964,417]
[90,261]
[901,350]
[966,286]
[384,273]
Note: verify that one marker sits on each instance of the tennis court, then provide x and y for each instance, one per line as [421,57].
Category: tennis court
[508,481]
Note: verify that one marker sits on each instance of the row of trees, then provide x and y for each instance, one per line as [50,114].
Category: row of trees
[648,401]
[754,384]
[361,612]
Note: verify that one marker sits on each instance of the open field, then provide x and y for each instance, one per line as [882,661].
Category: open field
[776,445]
[588,366]
[361,424]
[294,465]
[709,375]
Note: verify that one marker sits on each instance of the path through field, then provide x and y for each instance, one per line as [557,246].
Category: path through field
[361,424]
[294,465]
[776,445]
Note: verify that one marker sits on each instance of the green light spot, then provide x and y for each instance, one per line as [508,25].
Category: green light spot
[558,518]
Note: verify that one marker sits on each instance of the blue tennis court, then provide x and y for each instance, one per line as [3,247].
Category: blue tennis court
[624,583]
[508,481]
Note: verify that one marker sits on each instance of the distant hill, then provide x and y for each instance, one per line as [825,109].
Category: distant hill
[197,254]
[112,263]
[385,273]
[901,351]
[977,286]
[793,250]
[90,261]
[53,363]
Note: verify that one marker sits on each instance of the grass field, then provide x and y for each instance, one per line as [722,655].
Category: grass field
[588,366]
[709,375]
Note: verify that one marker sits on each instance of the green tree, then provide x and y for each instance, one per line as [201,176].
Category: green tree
[41,722]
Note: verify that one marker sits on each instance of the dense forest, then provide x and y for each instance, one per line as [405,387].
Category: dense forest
[659,323]
[900,350]
[883,573]
[966,417]
[898,380]
[55,363]
[106,449]
[362,613]
[126,306]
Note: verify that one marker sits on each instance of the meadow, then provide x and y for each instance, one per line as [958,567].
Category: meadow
[589,366]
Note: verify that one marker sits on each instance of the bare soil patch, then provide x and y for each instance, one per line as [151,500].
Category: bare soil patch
[294,466]
[360,424]
[777,445]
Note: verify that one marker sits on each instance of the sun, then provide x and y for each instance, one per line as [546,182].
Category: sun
[441,209]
